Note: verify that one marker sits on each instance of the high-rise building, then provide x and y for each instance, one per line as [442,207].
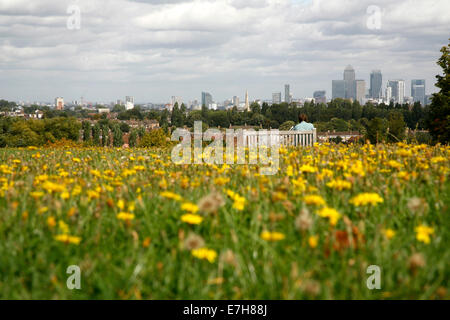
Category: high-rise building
[350,85]
[129,102]
[418,91]
[247,105]
[320,96]
[276,98]
[398,90]
[59,103]
[287,93]
[360,90]
[338,89]
[235,101]
[388,95]
[178,100]
[206,99]
[376,82]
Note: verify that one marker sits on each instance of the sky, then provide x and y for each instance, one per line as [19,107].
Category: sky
[104,50]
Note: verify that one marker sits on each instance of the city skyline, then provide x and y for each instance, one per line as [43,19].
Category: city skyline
[183,48]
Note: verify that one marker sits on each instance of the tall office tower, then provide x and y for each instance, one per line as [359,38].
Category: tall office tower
[236,101]
[320,96]
[360,90]
[206,99]
[398,90]
[376,82]
[247,105]
[129,102]
[59,103]
[287,93]
[276,98]
[178,100]
[338,89]
[418,91]
[388,95]
[350,86]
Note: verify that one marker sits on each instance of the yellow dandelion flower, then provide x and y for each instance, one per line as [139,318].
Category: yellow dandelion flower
[332,214]
[205,254]
[365,199]
[272,236]
[189,207]
[313,241]
[125,216]
[314,200]
[171,196]
[191,218]
[423,233]
[389,233]
[68,239]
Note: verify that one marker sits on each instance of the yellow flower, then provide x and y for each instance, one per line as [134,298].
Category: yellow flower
[272,236]
[189,207]
[221,181]
[314,200]
[332,214]
[205,254]
[339,184]
[364,199]
[42,210]
[423,233]
[308,168]
[171,195]
[121,204]
[313,241]
[36,194]
[63,227]
[191,218]
[51,222]
[389,233]
[125,216]
[68,239]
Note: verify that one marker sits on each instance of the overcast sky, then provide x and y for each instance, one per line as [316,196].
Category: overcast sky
[155,49]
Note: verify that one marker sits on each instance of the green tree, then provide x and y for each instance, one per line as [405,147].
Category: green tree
[439,117]
[397,127]
[86,127]
[132,141]
[96,130]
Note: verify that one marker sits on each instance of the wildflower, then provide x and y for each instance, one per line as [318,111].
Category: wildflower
[339,184]
[314,200]
[121,204]
[205,254]
[220,181]
[189,207]
[191,218]
[36,194]
[332,214]
[364,199]
[313,241]
[193,241]
[416,204]
[125,216]
[146,242]
[171,196]
[423,233]
[42,210]
[308,168]
[272,236]
[389,233]
[63,227]
[68,239]
[278,196]
[211,203]
[51,222]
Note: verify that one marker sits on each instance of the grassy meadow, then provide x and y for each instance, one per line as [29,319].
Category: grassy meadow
[141,227]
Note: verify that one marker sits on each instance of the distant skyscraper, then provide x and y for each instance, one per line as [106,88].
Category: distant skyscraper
[320,96]
[398,90]
[338,89]
[59,103]
[418,91]
[206,99]
[276,98]
[360,90]
[247,105]
[350,86]
[129,102]
[376,82]
[287,93]
[236,101]
[388,94]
